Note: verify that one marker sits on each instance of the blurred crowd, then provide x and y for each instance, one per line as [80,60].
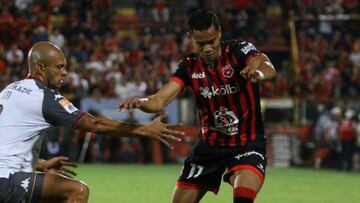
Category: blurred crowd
[336,140]
[117,53]
[124,48]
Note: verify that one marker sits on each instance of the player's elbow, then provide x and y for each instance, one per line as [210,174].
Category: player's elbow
[272,72]
[269,69]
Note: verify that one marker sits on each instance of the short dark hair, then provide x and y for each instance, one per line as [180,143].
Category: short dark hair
[202,20]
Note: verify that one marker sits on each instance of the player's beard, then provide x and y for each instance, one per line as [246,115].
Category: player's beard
[57,84]
[210,58]
[61,83]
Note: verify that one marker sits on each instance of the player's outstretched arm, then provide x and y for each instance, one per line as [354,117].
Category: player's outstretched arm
[259,68]
[156,129]
[154,103]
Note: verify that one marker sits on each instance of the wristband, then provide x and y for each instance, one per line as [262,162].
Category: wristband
[261,74]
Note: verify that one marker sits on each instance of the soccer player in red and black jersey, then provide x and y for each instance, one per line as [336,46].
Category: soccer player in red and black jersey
[224,76]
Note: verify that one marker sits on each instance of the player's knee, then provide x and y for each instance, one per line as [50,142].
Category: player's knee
[83,189]
[248,179]
[80,191]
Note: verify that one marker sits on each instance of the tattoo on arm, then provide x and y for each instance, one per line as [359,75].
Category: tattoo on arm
[81,123]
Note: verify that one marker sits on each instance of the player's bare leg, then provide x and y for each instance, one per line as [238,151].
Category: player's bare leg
[182,195]
[246,184]
[57,188]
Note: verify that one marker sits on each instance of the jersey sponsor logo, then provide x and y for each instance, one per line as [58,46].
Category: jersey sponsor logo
[25,184]
[228,71]
[239,156]
[246,49]
[68,106]
[198,75]
[1,108]
[213,91]
[226,121]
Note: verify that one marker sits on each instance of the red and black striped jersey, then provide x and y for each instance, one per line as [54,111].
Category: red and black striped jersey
[228,104]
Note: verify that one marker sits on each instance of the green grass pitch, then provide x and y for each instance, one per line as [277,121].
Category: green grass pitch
[155,184]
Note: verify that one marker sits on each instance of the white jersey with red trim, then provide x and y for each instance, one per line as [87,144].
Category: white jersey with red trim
[27,108]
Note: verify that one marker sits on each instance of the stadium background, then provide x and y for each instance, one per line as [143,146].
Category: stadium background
[118,49]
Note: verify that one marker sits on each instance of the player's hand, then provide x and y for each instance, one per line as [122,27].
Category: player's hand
[132,103]
[60,165]
[251,74]
[162,131]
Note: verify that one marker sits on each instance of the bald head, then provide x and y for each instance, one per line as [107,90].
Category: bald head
[47,63]
[43,53]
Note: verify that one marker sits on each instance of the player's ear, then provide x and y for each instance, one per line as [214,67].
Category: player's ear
[40,66]
[190,37]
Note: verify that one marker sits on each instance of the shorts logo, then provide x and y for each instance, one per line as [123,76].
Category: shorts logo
[25,184]
[68,106]
[239,156]
[261,167]
[1,108]
[226,121]
[228,71]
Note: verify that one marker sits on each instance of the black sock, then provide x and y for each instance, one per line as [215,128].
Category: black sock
[242,200]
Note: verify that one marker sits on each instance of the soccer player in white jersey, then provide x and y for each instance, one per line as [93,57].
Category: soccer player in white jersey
[29,106]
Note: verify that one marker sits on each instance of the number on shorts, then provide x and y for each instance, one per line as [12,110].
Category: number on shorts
[195,171]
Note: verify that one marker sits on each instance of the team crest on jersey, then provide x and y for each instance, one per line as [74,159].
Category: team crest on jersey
[1,108]
[226,121]
[228,71]
[68,106]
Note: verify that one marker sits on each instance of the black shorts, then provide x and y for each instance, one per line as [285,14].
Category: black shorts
[21,187]
[206,164]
